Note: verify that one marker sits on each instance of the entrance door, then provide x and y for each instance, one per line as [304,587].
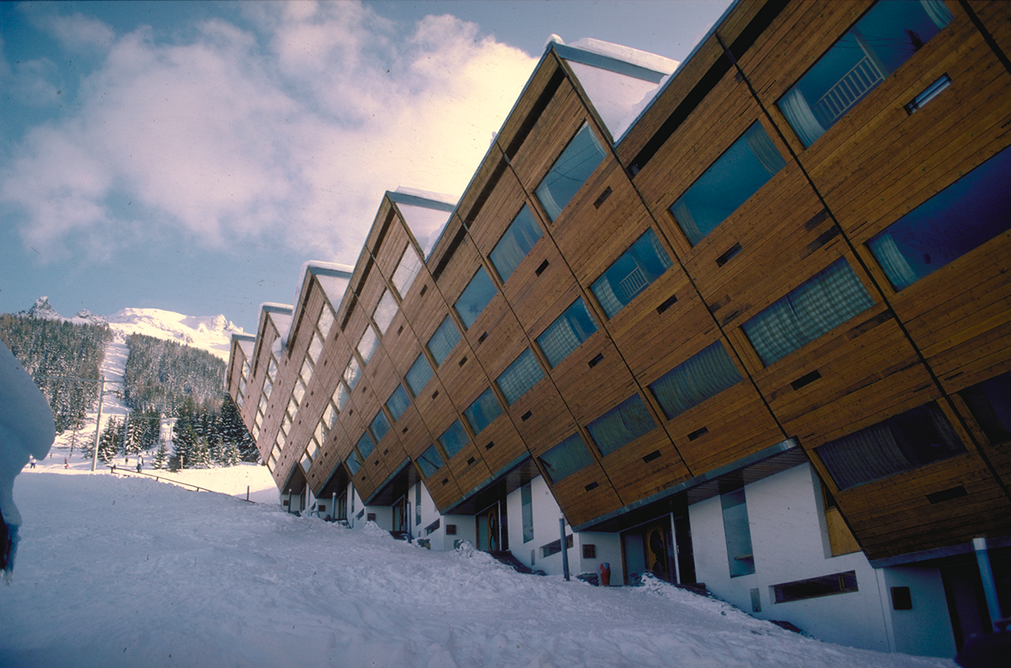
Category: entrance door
[400,515]
[685,554]
[656,544]
[488,529]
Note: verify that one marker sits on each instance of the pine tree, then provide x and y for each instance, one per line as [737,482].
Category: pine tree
[110,442]
[161,458]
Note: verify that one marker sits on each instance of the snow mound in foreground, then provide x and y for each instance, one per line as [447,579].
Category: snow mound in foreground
[132,572]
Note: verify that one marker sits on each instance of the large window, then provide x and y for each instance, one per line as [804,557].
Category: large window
[514,245]
[341,394]
[901,443]
[365,446]
[566,458]
[621,425]
[385,311]
[483,411]
[565,334]
[430,461]
[737,530]
[453,439]
[380,425]
[886,37]
[354,462]
[367,344]
[631,273]
[990,403]
[352,373]
[521,375]
[826,300]
[960,218]
[406,271]
[326,318]
[444,340]
[475,297]
[701,377]
[583,154]
[398,402]
[419,374]
[728,183]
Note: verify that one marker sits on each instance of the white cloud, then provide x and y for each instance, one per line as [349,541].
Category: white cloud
[299,126]
[76,32]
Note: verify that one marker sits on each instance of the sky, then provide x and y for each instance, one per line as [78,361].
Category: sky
[191,156]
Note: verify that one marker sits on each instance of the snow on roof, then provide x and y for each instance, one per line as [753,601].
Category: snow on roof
[425,213]
[247,344]
[333,277]
[619,80]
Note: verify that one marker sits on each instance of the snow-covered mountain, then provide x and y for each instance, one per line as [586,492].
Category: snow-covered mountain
[211,333]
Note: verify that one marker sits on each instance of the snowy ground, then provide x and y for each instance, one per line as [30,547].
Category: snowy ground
[121,571]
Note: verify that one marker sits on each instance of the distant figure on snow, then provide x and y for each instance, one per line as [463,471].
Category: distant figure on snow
[26,432]
[31,461]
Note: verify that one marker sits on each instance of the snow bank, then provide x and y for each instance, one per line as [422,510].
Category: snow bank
[130,572]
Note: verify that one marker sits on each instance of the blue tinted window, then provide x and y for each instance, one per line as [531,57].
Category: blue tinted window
[398,402]
[565,334]
[631,273]
[475,297]
[514,245]
[483,411]
[737,531]
[960,218]
[354,462]
[430,461]
[454,438]
[728,183]
[583,154]
[365,446]
[566,458]
[419,374]
[621,425]
[886,37]
[444,340]
[699,378]
[380,425]
[826,300]
[519,377]
[990,403]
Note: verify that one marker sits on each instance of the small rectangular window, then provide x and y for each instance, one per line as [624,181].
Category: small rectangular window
[430,461]
[406,271]
[365,446]
[354,462]
[419,374]
[526,499]
[519,377]
[826,585]
[990,404]
[565,334]
[385,311]
[352,373]
[955,221]
[326,318]
[728,183]
[444,340]
[695,380]
[631,273]
[566,458]
[881,41]
[737,530]
[823,302]
[621,425]
[483,411]
[367,344]
[903,442]
[379,426]
[398,402]
[475,297]
[454,439]
[576,163]
[514,245]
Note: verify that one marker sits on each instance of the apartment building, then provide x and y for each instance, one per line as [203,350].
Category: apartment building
[743,323]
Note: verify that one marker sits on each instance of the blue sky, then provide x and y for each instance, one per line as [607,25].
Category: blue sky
[192,155]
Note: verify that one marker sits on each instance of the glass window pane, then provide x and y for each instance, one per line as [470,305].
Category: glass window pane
[419,374]
[475,297]
[385,311]
[728,183]
[695,380]
[352,373]
[407,270]
[430,461]
[398,402]
[957,220]
[354,462]
[380,425]
[566,458]
[453,439]
[521,375]
[315,347]
[326,318]
[565,334]
[368,344]
[444,340]
[631,273]
[901,443]
[826,300]
[737,530]
[621,425]
[514,245]
[329,416]
[483,411]
[990,403]
[365,446]
[579,159]
[886,37]
[341,395]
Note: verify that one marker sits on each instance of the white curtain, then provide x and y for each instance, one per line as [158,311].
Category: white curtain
[893,262]
[686,221]
[794,106]
[699,378]
[764,149]
[938,12]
